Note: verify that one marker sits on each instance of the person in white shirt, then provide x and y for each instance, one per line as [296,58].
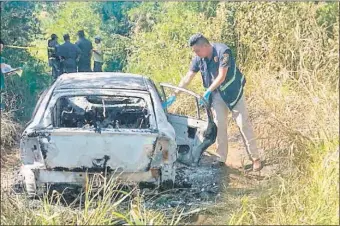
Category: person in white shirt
[97,55]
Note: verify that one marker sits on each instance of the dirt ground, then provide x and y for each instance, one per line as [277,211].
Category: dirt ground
[203,187]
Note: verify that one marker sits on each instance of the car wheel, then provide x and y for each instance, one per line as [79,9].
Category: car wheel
[29,183]
[168,174]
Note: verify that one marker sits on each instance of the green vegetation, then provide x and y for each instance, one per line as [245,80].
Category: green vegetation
[288,52]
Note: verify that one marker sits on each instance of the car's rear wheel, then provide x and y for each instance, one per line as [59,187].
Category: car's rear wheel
[29,183]
[168,174]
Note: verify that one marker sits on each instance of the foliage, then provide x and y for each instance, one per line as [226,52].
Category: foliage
[160,47]
[114,17]
[288,52]
[20,26]
[115,29]
[72,17]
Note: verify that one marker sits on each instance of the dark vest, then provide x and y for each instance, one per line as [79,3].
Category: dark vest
[231,90]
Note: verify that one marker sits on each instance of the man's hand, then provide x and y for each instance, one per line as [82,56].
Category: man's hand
[222,74]
[5,68]
[168,102]
[206,96]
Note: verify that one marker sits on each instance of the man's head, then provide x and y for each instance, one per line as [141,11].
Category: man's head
[2,44]
[97,39]
[200,45]
[66,37]
[81,34]
[54,37]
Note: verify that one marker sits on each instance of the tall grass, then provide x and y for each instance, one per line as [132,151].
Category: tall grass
[308,194]
[9,136]
[108,205]
[293,96]
[289,53]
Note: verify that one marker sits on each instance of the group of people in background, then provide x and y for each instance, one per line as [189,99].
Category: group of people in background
[69,57]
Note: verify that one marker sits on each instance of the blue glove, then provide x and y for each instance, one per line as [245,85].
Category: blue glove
[206,96]
[168,102]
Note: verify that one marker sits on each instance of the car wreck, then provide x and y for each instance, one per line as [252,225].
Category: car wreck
[112,123]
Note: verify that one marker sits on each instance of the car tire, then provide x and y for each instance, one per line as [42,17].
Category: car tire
[168,174]
[29,183]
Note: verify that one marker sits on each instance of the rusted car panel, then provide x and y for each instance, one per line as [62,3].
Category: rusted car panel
[108,122]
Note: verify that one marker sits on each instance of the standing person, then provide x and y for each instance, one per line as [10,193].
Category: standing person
[5,69]
[53,61]
[84,64]
[68,54]
[97,55]
[224,85]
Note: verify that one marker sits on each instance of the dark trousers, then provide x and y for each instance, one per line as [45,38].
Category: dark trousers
[97,67]
[69,66]
[84,65]
[56,69]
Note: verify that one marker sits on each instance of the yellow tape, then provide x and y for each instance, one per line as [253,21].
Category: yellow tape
[27,47]
[37,48]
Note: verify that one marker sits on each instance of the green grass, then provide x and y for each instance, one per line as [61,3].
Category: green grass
[306,195]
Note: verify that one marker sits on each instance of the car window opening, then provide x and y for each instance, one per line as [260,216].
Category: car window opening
[97,111]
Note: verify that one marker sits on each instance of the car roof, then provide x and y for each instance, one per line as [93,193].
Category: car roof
[101,80]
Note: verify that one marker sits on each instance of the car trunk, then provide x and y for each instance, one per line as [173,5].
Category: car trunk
[100,132]
[72,149]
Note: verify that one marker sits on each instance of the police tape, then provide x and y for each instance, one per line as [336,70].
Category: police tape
[24,47]
[45,48]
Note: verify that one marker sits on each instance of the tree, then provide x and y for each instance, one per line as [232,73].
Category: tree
[20,27]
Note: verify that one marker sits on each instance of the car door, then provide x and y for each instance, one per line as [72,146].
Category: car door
[193,124]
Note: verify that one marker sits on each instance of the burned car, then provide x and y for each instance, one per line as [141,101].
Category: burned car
[112,123]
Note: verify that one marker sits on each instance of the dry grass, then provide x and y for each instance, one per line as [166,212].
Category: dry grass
[108,205]
[289,54]
[293,99]
[10,131]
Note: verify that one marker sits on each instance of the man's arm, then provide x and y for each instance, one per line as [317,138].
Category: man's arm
[222,74]
[193,69]
[3,65]
[3,68]
[186,80]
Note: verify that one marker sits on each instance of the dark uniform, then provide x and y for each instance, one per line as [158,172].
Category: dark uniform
[84,64]
[231,89]
[68,54]
[53,60]
[2,76]
[2,83]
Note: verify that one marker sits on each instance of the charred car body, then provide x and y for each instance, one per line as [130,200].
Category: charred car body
[88,123]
